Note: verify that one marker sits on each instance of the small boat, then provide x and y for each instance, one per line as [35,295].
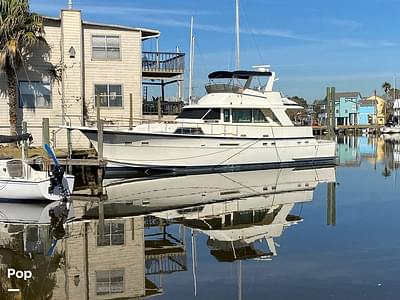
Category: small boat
[20,181]
[390,129]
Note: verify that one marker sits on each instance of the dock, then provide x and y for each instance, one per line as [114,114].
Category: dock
[321,129]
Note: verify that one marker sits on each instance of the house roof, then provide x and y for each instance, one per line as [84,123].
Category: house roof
[347,95]
[368,102]
[146,33]
[377,98]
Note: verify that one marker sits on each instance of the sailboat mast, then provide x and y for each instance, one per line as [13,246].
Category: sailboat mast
[237,36]
[191,61]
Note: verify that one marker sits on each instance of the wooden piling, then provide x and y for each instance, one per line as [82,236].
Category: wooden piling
[101,219]
[100,159]
[45,131]
[330,105]
[159,108]
[331,204]
[130,111]
[25,143]
[69,148]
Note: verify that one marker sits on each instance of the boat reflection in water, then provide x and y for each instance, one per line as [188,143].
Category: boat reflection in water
[141,231]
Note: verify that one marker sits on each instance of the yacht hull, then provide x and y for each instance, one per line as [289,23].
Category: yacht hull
[391,130]
[175,151]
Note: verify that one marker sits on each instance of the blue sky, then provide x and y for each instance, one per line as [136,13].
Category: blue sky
[350,44]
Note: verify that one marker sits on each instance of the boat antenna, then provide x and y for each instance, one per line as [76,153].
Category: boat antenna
[237,36]
[191,50]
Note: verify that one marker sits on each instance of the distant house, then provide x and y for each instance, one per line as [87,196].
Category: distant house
[98,65]
[372,111]
[367,112]
[346,108]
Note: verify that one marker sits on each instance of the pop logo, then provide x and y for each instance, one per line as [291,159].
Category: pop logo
[19,274]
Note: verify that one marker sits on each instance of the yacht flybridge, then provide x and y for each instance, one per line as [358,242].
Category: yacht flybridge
[241,121]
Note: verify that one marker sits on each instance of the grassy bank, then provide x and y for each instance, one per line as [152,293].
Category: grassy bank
[10,151]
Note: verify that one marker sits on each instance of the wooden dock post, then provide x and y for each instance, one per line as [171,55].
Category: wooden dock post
[130,111]
[101,219]
[45,131]
[100,160]
[159,108]
[331,204]
[330,105]
[25,148]
[69,147]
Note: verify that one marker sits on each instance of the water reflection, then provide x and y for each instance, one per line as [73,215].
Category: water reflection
[376,150]
[146,228]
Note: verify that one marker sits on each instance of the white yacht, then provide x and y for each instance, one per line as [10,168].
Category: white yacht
[241,121]
[170,194]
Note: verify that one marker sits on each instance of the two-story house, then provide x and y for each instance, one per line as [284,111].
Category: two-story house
[372,111]
[84,61]
[346,108]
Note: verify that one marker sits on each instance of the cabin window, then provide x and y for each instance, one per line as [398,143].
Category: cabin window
[213,114]
[193,113]
[108,95]
[241,115]
[110,282]
[106,47]
[34,94]
[259,117]
[252,115]
[189,130]
[227,115]
[114,234]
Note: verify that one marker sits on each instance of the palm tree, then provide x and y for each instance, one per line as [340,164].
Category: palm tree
[387,87]
[20,32]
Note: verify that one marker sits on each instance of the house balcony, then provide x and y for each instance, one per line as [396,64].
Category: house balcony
[162,64]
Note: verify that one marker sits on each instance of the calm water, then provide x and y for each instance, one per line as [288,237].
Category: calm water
[316,233]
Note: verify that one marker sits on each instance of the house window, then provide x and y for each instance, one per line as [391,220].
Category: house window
[109,282]
[106,47]
[108,95]
[34,94]
[114,234]
[337,111]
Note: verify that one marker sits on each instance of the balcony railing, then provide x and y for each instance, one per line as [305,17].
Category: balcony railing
[167,107]
[162,63]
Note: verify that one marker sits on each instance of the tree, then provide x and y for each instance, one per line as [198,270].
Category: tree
[300,101]
[20,32]
[387,87]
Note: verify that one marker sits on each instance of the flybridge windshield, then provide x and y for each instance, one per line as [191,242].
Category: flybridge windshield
[226,84]
[200,113]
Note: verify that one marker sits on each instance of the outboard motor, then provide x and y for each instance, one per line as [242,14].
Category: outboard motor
[59,214]
[56,180]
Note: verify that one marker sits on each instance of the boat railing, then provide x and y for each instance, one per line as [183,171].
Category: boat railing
[224,88]
[212,128]
[223,129]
